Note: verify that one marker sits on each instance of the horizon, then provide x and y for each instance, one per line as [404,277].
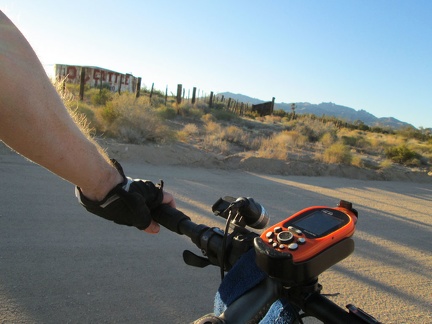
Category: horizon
[365,55]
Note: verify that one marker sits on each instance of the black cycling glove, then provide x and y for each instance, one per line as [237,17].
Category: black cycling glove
[129,203]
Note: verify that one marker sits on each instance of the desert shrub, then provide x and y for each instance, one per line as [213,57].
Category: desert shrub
[213,142]
[213,128]
[338,153]
[191,111]
[101,97]
[272,119]
[133,120]
[255,143]
[208,118]
[109,113]
[280,112]
[292,139]
[187,131]
[285,120]
[166,112]
[380,142]
[385,164]
[270,150]
[233,134]
[251,114]
[357,141]
[278,145]
[312,128]
[357,161]
[74,88]
[191,129]
[86,110]
[412,132]
[349,140]
[328,139]
[403,155]
[224,115]
[219,105]
[137,128]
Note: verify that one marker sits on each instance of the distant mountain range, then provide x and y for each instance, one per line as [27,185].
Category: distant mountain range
[327,109]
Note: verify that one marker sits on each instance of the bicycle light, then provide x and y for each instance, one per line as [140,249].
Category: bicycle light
[254,214]
[251,213]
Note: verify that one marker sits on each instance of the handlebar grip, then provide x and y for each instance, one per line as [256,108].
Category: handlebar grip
[170,218]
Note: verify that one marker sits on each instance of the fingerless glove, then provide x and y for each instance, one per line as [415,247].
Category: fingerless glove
[129,203]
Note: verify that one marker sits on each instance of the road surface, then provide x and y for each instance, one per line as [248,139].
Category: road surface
[60,264]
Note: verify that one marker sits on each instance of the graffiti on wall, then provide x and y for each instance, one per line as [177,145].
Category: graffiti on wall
[95,76]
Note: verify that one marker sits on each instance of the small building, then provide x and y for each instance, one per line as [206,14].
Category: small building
[96,76]
[264,109]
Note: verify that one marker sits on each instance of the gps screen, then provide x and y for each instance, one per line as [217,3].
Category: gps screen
[319,223]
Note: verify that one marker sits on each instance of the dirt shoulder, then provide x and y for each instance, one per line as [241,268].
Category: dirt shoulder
[189,155]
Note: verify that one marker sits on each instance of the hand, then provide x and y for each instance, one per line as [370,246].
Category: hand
[167,199]
[130,202]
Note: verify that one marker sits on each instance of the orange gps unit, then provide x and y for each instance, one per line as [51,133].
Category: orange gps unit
[308,242]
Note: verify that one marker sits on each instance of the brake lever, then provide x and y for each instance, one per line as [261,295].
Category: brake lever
[194,260]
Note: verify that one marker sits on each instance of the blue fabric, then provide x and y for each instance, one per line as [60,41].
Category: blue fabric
[281,312]
[244,276]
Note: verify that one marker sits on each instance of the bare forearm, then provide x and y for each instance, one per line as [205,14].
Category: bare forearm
[35,123]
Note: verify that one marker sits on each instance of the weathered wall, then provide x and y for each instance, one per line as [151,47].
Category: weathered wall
[264,109]
[95,75]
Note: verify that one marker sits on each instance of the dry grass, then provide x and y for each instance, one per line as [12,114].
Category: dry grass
[134,120]
[188,131]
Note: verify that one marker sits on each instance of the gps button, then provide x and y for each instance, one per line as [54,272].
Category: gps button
[285,237]
[293,246]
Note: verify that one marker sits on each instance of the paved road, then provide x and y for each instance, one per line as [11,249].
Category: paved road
[59,264]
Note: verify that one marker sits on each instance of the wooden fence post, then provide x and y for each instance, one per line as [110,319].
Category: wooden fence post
[211,99]
[64,85]
[272,106]
[151,92]
[138,87]
[193,95]
[179,92]
[82,81]
[121,80]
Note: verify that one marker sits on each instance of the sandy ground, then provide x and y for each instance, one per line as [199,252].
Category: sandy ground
[298,164]
[59,264]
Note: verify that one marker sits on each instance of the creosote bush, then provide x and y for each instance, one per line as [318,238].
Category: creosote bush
[338,153]
[403,155]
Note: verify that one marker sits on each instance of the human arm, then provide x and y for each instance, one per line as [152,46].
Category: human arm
[35,123]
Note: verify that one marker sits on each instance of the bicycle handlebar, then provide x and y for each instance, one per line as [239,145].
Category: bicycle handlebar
[210,240]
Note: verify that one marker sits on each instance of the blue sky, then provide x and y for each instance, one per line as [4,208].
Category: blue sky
[365,54]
